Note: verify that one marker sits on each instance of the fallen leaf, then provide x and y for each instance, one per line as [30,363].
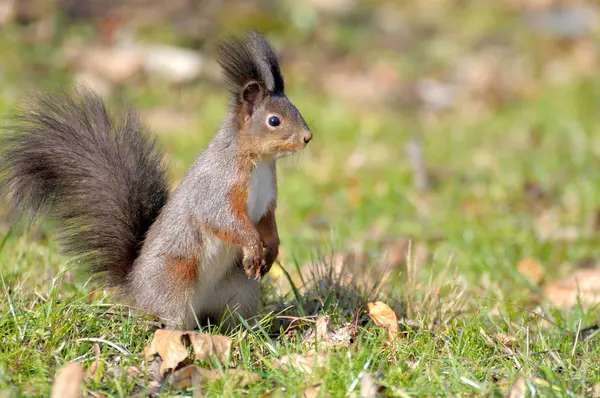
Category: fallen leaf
[383,316]
[8,11]
[168,344]
[206,345]
[243,377]
[8,392]
[305,363]
[507,340]
[368,388]
[186,377]
[324,335]
[117,65]
[68,381]
[193,375]
[532,270]
[93,371]
[518,389]
[133,371]
[584,284]
[596,391]
[153,388]
[312,391]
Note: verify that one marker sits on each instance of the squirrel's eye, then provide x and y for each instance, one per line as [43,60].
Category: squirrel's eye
[274,121]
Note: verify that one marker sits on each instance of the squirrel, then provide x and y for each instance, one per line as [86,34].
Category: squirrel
[186,256]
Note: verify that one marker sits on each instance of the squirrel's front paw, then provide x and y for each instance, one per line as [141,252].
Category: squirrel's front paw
[253,261]
[270,252]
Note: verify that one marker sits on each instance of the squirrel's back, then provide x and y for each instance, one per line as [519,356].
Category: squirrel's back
[97,173]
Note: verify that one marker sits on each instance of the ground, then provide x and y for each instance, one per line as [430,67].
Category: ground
[505,114]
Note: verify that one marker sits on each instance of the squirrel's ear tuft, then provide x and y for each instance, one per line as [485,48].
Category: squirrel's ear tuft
[250,66]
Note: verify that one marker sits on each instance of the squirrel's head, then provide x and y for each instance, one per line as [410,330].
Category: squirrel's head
[269,125]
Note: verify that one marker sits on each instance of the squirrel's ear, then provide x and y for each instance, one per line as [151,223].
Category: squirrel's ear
[252,94]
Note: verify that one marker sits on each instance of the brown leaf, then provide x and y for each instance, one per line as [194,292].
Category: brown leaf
[68,381]
[93,371]
[187,377]
[584,284]
[383,316]
[243,377]
[113,64]
[368,387]
[305,363]
[532,270]
[193,375]
[153,387]
[507,340]
[206,345]
[133,371]
[312,391]
[168,344]
[324,335]
[518,389]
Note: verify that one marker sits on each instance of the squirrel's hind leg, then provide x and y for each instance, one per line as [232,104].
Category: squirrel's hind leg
[233,296]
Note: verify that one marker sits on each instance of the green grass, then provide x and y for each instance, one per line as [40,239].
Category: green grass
[352,188]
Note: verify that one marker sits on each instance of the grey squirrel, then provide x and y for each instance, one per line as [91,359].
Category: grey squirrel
[188,256]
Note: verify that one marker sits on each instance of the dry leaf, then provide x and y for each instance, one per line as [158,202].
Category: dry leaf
[324,335]
[243,377]
[168,344]
[518,389]
[532,270]
[584,284]
[596,391]
[92,372]
[507,340]
[154,387]
[193,375]
[186,377]
[305,363]
[133,371]
[368,388]
[312,391]
[383,316]
[206,345]
[68,382]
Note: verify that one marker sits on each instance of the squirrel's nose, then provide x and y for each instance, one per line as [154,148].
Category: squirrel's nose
[307,137]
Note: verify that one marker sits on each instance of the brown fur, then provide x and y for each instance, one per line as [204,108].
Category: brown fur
[182,268]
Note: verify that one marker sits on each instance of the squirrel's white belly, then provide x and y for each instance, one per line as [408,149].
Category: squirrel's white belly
[261,191]
[218,256]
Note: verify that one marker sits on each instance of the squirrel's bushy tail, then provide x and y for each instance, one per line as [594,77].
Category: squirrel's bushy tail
[99,175]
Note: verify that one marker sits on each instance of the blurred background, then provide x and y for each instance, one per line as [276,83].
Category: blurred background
[468,128]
